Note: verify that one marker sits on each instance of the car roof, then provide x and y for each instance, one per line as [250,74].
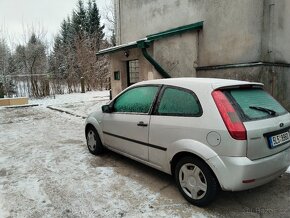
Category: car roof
[191,82]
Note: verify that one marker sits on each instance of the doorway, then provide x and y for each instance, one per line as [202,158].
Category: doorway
[133,71]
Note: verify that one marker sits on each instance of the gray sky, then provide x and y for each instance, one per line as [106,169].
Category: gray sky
[18,16]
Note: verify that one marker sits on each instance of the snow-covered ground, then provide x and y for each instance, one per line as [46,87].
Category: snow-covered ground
[72,98]
[80,104]
[47,171]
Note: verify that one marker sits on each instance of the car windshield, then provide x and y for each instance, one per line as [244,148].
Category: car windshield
[255,103]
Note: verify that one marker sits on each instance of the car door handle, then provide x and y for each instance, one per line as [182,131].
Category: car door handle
[141,123]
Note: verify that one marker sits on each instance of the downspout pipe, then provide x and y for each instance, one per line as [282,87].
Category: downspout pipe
[155,64]
[144,45]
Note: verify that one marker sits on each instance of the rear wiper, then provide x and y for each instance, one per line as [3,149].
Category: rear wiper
[269,111]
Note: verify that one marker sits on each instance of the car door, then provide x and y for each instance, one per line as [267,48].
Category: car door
[126,129]
[177,116]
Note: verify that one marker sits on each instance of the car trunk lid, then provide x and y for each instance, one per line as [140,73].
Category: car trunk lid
[267,137]
[267,123]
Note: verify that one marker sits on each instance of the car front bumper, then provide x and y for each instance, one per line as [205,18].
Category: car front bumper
[241,173]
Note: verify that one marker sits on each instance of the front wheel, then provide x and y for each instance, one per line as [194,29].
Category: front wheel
[94,142]
[196,181]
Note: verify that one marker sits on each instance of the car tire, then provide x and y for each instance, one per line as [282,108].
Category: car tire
[196,181]
[94,142]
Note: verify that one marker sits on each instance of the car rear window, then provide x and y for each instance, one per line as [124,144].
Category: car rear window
[252,101]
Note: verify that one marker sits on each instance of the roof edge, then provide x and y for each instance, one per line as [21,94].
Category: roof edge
[150,38]
[117,48]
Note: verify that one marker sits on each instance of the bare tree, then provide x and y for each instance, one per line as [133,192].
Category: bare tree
[32,66]
[110,17]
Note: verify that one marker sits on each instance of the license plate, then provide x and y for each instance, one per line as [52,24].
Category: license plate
[279,139]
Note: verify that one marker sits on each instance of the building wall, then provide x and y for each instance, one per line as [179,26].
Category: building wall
[234,31]
[231,34]
[178,54]
[275,79]
[118,63]
[276,31]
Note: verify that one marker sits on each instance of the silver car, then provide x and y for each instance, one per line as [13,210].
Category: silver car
[210,134]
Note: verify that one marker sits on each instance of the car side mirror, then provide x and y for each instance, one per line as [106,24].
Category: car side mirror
[107,109]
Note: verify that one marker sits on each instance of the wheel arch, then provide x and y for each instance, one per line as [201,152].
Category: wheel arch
[195,149]
[178,156]
[93,123]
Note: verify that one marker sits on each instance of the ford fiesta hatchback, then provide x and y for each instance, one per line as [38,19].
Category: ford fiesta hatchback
[207,133]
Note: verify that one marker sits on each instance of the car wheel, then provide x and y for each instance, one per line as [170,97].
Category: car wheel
[196,181]
[94,143]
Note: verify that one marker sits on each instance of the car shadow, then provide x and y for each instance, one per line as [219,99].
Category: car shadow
[272,199]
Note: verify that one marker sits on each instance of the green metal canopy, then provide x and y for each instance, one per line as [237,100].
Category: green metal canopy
[144,43]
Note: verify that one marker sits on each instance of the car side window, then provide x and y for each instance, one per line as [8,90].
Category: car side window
[179,102]
[136,100]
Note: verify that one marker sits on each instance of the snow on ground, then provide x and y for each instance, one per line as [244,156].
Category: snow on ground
[81,104]
[71,98]
[47,171]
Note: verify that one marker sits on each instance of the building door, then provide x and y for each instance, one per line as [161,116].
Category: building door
[133,72]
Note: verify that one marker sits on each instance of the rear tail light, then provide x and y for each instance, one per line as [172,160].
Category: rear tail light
[229,115]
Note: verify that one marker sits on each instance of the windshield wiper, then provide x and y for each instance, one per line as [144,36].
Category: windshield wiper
[269,111]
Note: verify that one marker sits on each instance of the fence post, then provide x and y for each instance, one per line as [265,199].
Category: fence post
[1,90]
[83,85]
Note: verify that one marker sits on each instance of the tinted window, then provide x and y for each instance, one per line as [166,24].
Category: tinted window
[247,98]
[136,100]
[178,102]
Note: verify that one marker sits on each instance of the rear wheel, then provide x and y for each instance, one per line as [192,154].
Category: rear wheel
[94,142]
[196,181]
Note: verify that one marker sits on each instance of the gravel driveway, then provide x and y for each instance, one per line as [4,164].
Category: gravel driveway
[46,171]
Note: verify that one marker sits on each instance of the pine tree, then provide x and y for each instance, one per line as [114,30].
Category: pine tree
[81,36]
[64,34]
[96,30]
[79,20]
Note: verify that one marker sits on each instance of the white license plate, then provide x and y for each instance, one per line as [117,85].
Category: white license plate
[279,139]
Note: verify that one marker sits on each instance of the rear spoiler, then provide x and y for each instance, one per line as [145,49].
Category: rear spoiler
[237,86]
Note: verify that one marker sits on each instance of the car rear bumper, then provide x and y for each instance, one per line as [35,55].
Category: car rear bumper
[241,173]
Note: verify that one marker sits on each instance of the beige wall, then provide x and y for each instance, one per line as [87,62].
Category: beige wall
[232,28]
[178,54]
[118,63]
[13,101]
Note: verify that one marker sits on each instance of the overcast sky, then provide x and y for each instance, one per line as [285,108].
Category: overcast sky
[17,16]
